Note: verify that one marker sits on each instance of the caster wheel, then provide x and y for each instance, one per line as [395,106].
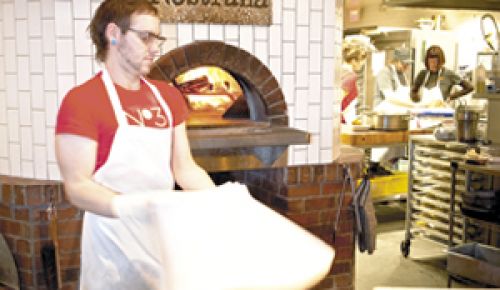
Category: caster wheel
[405,248]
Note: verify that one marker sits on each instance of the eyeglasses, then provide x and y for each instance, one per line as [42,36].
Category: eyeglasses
[149,38]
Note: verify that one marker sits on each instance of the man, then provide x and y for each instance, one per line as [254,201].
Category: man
[120,138]
[392,84]
[392,97]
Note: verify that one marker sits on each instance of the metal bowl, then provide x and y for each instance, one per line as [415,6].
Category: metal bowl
[391,122]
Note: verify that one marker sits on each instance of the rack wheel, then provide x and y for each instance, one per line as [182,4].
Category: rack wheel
[405,248]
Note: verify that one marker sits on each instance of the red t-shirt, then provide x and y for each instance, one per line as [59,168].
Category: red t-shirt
[87,111]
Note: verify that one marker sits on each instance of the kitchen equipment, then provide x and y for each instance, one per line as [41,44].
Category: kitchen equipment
[467,119]
[50,253]
[388,122]
[477,262]
[443,133]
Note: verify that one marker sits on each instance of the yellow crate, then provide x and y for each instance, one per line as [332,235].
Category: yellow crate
[383,187]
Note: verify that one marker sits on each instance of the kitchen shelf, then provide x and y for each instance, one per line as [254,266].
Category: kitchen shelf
[429,187]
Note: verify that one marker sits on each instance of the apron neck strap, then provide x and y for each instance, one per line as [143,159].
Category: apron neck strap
[113,97]
[428,73]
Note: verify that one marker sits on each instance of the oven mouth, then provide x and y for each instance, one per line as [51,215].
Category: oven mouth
[253,132]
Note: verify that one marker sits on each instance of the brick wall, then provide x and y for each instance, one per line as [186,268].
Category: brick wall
[24,225]
[308,195]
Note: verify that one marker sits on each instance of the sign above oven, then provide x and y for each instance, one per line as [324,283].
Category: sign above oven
[253,12]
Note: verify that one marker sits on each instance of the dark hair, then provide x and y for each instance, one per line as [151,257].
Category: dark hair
[434,51]
[118,12]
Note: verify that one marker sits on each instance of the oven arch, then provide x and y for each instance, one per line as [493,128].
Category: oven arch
[233,59]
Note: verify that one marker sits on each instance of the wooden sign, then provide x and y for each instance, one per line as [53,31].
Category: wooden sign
[255,12]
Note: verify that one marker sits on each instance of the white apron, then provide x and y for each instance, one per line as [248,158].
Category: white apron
[402,92]
[113,256]
[433,95]
[384,155]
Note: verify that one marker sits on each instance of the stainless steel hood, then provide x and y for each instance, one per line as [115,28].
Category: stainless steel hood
[492,5]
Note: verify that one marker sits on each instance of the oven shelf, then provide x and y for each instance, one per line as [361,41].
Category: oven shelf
[237,137]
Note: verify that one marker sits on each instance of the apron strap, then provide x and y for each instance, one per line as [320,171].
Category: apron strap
[113,97]
[347,178]
[161,101]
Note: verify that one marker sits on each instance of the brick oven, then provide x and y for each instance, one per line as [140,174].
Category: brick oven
[250,147]
[252,132]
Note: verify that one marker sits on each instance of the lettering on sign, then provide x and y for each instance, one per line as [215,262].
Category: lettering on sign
[255,12]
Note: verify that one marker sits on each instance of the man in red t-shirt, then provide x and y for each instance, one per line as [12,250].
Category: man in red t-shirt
[121,139]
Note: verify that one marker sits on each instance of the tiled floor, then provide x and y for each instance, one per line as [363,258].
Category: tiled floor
[425,266]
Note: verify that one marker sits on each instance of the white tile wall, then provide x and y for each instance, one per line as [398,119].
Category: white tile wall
[302,73]
[4,142]
[1,35]
[21,8]
[45,50]
[301,103]
[314,88]
[15,159]
[303,41]
[39,128]
[289,57]
[24,108]
[10,55]
[49,36]
[9,28]
[289,27]
[83,44]
[81,9]
[11,90]
[36,55]
[26,143]
[40,162]
[37,98]
[63,18]
[201,31]
[34,19]
[22,37]
[48,9]
[2,76]
[247,38]
[23,73]
[49,73]
[3,108]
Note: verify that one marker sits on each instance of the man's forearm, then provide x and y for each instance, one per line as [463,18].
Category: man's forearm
[90,196]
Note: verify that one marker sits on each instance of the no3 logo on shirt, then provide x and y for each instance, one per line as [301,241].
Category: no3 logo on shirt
[152,117]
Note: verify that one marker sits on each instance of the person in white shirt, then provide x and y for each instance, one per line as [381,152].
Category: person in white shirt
[392,85]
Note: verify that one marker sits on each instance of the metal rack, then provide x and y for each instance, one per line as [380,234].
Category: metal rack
[428,200]
[486,273]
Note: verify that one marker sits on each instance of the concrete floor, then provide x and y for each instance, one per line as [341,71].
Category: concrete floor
[424,267]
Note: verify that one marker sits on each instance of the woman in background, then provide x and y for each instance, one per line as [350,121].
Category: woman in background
[354,55]
[434,84]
